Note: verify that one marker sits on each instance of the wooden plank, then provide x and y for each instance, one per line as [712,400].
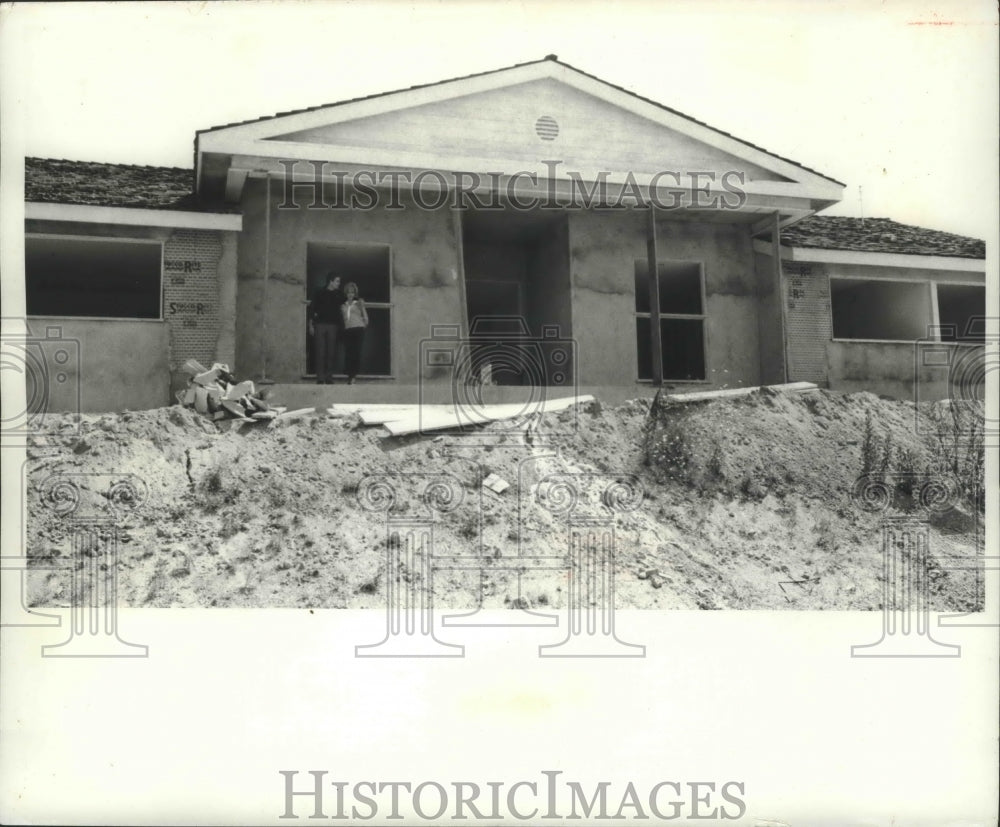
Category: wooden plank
[297,412]
[380,417]
[235,408]
[779,286]
[463,296]
[476,416]
[192,367]
[237,392]
[699,396]
[354,407]
[208,379]
[653,270]
[200,399]
[452,418]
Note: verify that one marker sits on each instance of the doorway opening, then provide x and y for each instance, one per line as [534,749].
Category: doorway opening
[368,266]
[517,287]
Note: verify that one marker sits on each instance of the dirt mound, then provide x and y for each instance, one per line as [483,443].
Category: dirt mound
[733,503]
[777,443]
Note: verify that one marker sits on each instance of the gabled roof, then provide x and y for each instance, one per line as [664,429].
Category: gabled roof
[95,184]
[549,59]
[878,235]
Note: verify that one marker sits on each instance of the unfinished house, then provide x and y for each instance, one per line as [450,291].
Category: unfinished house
[132,272]
[872,304]
[531,227]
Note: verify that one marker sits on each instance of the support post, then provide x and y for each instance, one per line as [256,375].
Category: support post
[456,216]
[779,288]
[267,273]
[653,271]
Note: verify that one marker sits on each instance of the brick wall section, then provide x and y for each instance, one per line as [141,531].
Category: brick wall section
[807,312]
[191,296]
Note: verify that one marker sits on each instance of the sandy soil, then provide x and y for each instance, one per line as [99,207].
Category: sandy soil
[742,503]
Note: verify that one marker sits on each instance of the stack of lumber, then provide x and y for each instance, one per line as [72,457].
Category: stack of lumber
[400,420]
[215,393]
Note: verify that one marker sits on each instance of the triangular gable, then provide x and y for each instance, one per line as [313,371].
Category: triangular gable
[529,122]
[521,115]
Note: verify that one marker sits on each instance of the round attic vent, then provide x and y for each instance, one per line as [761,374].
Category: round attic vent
[546,128]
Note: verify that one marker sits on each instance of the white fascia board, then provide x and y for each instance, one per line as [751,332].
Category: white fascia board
[218,140]
[900,260]
[375,158]
[705,134]
[135,217]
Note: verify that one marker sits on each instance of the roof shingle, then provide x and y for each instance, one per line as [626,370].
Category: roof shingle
[878,235]
[92,183]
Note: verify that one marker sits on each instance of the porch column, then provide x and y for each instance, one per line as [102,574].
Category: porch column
[780,290]
[654,300]
[456,217]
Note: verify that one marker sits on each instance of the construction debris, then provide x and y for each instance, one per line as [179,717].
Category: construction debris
[420,419]
[496,483]
[215,394]
[400,419]
[701,396]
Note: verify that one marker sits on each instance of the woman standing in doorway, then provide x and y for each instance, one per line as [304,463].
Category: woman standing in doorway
[355,322]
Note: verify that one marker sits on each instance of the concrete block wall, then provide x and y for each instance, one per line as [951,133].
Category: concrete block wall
[109,365]
[114,364]
[270,315]
[731,294]
[895,369]
[604,246]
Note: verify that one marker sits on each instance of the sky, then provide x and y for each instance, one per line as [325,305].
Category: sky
[897,100]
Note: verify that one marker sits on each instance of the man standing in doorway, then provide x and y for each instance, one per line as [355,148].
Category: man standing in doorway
[326,321]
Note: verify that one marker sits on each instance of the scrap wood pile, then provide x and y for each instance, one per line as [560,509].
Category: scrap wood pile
[215,393]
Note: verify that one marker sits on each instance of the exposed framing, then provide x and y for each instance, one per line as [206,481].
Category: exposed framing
[655,315]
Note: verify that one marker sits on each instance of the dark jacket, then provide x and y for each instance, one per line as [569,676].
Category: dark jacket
[326,306]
